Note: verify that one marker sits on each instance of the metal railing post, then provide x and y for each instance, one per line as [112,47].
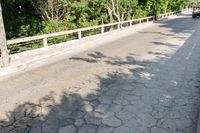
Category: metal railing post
[45,42]
[130,23]
[118,26]
[102,29]
[79,35]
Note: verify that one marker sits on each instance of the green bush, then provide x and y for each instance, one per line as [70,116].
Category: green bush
[140,12]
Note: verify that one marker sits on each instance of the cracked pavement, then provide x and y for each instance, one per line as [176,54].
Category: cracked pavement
[147,82]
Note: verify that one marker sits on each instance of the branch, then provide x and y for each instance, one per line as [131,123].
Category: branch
[114,12]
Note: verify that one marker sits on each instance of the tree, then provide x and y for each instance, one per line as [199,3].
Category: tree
[51,10]
[3,45]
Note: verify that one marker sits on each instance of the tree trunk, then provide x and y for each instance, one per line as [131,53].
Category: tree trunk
[111,16]
[3,45]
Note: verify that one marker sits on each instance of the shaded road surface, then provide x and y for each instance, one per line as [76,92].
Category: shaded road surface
[147,82]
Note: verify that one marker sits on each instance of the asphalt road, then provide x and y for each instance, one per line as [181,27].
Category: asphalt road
[147,82]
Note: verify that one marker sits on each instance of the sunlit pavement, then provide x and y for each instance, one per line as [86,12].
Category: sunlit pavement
[147,82]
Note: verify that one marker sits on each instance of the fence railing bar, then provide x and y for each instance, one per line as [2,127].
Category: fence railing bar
[79,31]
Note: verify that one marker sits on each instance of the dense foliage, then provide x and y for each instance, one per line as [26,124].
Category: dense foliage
[31,17]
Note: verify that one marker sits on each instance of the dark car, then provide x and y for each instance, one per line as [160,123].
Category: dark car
[196,12]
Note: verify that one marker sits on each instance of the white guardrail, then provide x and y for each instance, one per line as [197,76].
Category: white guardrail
[45,37]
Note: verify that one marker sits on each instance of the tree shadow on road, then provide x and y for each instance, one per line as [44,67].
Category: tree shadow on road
[180,25]
[75,113]
[165,44]
[106,109]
